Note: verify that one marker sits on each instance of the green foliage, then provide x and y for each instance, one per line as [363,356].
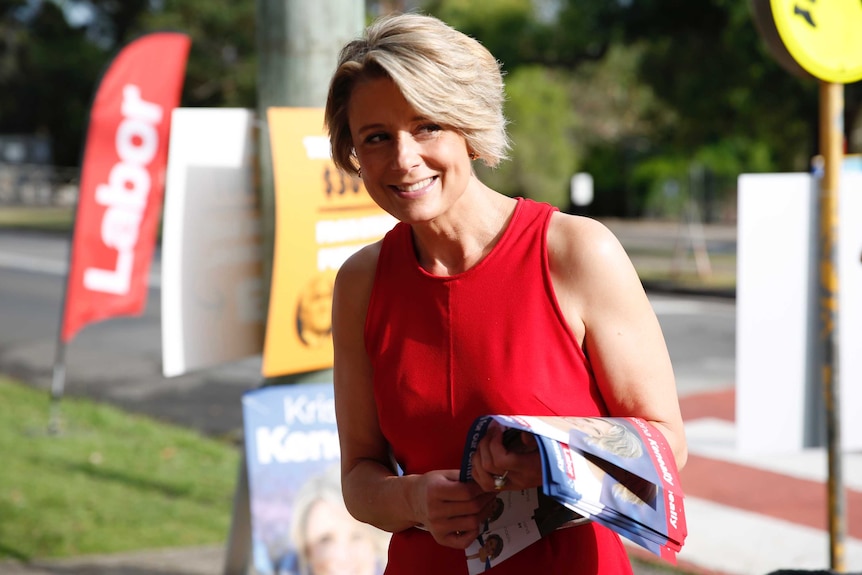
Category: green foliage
[653,81]
[47,71]
[707,61]
[665,181]
[564,34]
[611,165]
[619,117]
[664,82]
[109,482]
[541,127]
[114,22]
[222,64]
[708,176]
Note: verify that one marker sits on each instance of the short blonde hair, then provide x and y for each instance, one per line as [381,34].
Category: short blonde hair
[326,487]
[447,76]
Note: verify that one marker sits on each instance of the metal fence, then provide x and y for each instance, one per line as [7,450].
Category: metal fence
[38,185]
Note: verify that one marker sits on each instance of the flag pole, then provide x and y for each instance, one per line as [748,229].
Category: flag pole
[58,382]
[58,378]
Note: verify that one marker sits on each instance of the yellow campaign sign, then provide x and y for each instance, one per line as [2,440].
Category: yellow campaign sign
[322,217]
[825,38]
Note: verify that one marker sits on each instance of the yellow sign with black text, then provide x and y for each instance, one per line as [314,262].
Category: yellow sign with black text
[322,217]
[824,38]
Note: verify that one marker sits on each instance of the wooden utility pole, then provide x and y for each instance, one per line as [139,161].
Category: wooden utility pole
[832,149]
[821,40]
[297,45]
[298,42]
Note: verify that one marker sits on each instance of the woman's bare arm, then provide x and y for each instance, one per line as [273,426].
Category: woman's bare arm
[373,492]
[604,302]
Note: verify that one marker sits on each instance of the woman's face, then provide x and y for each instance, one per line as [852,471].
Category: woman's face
[412,168]
[337,544]
[592,426]
[494,547]
[315,311]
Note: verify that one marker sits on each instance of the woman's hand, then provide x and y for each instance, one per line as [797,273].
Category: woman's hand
[512,464]
[452,511]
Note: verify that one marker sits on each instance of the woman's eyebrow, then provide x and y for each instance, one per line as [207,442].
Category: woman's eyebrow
[369,128]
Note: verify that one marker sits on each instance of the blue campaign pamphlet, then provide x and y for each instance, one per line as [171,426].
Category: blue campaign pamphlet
[293,464]
[618,472]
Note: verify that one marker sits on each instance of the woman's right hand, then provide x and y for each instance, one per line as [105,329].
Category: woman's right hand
[452,511]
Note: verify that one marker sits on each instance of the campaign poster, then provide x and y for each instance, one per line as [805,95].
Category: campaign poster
[322,217]
[122,181]
[299,522]
[213,306]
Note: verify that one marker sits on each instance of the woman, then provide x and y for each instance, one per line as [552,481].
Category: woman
[474,303]
[328,541]
[490,549]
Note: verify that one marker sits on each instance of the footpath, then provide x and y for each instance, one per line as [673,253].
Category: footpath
[747,514]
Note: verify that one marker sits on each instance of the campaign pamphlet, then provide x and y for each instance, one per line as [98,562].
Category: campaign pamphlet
[616,471]
[293,462]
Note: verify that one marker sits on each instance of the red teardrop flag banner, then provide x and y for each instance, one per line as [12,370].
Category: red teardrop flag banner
[122,181]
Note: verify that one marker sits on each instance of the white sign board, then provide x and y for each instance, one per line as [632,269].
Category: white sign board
[779,406]
[581,189]
[212,262]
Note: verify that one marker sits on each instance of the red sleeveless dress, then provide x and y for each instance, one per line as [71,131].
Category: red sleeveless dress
[446,350]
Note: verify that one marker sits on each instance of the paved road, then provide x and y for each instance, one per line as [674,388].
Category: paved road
[119,360]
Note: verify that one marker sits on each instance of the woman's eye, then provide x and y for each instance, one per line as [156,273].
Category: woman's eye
[429,129]
[375,138]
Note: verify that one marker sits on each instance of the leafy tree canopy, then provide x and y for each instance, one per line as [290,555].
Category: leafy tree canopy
[633,91]
[690,82]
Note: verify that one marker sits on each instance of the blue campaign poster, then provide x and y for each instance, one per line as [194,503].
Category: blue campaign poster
[299,523]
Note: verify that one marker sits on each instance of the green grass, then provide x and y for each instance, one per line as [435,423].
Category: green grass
[111,482]
[660,268]
[41,218]
[108,482]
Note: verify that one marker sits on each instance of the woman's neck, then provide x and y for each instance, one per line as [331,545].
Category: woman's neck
[450,246]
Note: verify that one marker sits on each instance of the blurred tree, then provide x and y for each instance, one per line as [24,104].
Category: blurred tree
[543,156]
[47,74]
[538,47]
[666,82]
[40,51]
[13,36]
[561,33]
[111,23]
[738,110]
[599,108]
[620,118]
[222,64]
[655,82]
[707,61]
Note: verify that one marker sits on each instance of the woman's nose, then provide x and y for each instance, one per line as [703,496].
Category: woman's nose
[406,153]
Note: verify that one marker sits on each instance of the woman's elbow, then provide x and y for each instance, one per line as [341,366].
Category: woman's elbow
[680,454]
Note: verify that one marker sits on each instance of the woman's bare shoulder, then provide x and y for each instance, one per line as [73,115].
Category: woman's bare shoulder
[580,240]
[362,262]
[356,275]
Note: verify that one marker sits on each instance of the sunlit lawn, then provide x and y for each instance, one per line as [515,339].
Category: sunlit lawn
[109,481]
[37,218]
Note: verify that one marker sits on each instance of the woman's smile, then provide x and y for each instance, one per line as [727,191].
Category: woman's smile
[413,167]
[415,189]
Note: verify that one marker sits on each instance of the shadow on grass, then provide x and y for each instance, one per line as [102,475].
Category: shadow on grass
[105,474]
[85,568]
[12,553]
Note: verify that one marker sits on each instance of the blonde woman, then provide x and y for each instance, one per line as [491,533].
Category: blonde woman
[474,303]
[328,541]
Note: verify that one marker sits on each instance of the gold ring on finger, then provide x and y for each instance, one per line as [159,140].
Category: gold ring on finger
[500,480]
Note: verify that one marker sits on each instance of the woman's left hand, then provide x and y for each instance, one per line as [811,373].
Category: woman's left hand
[498,468]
